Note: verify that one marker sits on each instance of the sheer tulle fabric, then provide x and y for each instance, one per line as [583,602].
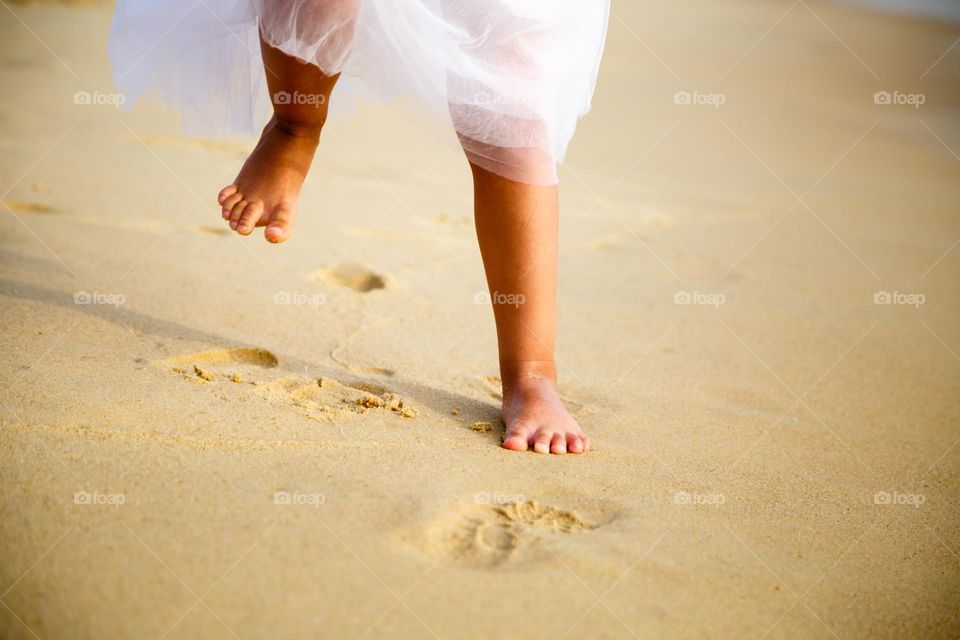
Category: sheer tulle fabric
[513,76]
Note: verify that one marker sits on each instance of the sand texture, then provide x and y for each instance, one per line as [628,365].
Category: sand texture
[205,436]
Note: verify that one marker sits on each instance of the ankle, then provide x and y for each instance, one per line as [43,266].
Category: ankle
[307,130]
[517,373]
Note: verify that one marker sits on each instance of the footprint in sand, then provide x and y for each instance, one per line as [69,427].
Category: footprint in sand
[380,371]
[207,366]
[30,207]
[326,399]
[238,355]
[490,535]
[317,399]
[351,276]
[214,231]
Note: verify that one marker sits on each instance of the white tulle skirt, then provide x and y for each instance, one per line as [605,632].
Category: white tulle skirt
[512,76]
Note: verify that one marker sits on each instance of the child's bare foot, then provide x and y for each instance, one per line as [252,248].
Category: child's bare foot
[266,192]
[535,417]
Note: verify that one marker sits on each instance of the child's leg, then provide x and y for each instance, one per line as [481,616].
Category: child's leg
[517,229]
[266,191]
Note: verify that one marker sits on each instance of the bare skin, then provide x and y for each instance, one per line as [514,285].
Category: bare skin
[516,228]
[267,190]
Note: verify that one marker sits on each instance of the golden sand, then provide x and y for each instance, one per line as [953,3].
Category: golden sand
[206,436]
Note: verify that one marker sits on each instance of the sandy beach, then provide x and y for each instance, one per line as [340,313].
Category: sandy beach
[206,436]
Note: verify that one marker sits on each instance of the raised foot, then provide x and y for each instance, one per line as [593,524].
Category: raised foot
[266,192]
[536,418]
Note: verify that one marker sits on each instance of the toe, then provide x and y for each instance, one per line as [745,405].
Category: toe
[229,202]
[226,192]
[518,436]
[515,443]
[558,444]
[248,219]
[541,443]
[574,443]
[235,212]
[279,228]
[586,443]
